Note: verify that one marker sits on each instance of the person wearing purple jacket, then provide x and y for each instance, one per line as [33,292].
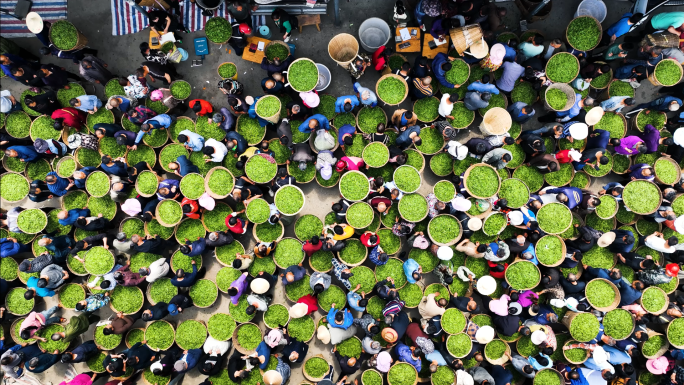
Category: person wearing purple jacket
[125,138]
[237,287]
[630,145]
[641,171]
[569,196]
[292,274]
[651,138]
[511,73]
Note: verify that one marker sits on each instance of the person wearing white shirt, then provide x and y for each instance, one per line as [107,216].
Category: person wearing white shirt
[446,105]
[594,377]
[212,344]
[215,149]
[658,243]
[157,269]
[391,186]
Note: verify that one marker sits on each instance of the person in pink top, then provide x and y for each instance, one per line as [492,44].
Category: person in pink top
[350,163]
[81,379]
[500,306]
[630,145]
[36,321]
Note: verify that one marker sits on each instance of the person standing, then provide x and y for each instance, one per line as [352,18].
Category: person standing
[285,22]
[94,70]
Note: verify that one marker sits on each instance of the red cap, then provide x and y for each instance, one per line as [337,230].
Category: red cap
[672,269]
[340,166]
[244,28]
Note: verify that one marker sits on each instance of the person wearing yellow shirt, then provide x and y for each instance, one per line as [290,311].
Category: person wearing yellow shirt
[342,231]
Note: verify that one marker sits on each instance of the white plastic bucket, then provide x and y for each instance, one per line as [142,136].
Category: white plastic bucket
[594,8]
[374,33]
[324,77]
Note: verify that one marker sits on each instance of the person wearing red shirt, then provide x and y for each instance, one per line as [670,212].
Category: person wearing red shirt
[380,58]
[235,224]
[370,239]
[69,117]
[312,246]
[310,301]
[201,107]
[565,157]
[380,203]
[497,272]
[190,208]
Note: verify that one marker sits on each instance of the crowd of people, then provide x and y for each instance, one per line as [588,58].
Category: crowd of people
[396,334]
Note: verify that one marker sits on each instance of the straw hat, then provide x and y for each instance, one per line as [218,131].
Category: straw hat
[538,337]
[606,239]
[464,378]
[486,285]
[497,53]
[579,131]
[474,224]
[658,365]
[485,334]
[272,377]
[515,218]
[259,286]
[34,22]
[323,334]
[594,116]
[460,203]
[298,310]
[479,49]
[445,253]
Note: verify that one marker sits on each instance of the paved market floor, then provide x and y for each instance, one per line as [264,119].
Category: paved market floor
[93,18]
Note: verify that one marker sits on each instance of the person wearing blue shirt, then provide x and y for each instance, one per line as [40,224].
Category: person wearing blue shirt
[341,319]
[159,122]
[32,285]
[41,362]
[252,113]
[574,111]
[10,247]
[81,175]
[664,104]
[536,365]
[479,86]
[521,112]
[60,247]
[619,28]
[409,136]
[353,299]
[629,294]
[616,103]
[192,141]
[412,270]
[271,86]
[188,361]
[594,272]
[183,166]
[346,103]
[440,65]
[623,243]
[25,154]
[86,103]
[501,375]
[546,315]
[187,279]
[114,166]
[318,122]
[530,254]
[127,138]
[236,143]
[405,354]
[345,131]
[571,196]
[634,72]
[168,189]
[71,216]
[57,185]
[365,95]
[263,350]
[596,139]
[194,248]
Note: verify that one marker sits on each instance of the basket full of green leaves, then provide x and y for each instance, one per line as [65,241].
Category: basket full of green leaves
[191,334]
[180,89]
[97,184]
[668,72]
[463,117]
[227,70]
[550,250]
[654,300]
[367,119]
[66,166]
[426,109]
[168,213]
[16,304]
[494,224]
[619,324]
[523,275]
[127,299]
[563,67]
[453,322]
[221,326]
[444,190]
[524,92]
[495,352]
[218,30]
[515,192]
[277,49]
[360,215]
[64,35]
[18,125]
[444,375]
[602,81]
[402,373]
[413,207]
[160,335]
[302,74]
[548,377]
[99,261]
[667,171]
[9,268]
[608,207]
[432,141]
[444,230]
[656,345]
[146,184]
[458,343]
[459,72]
[14,187]
[106,342]
[583,33]
[192,186]
[583,327]
[642,197]
[276,316]
[655,118]
[482,181]
[257,211]
[160,290]
[554,218]
[316,367]
[261,168]
[32,221]
[289,200]
[42,128]
[288,253]
[246,337]
[675,333]
[354,186]
[391,89]
[559,97]
[602,294]
[268,108]
[265,232]
[407,179]
[203,293]
[70,294]
[376,154]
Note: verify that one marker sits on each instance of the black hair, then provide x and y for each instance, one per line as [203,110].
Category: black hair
[42,282]
[672,240]
[635,18]
[250,309]
[232,291]
[506,157]
[107,331]
[339,316]
[196,107]
[348,141]
[543,361]
[363,302]
[336,207]
[186,209]
[315,239]
[237,263]
[446,66]
[182,138]
[318,288]
[481,248]
[80,306]
[184,249]
[232,221]
[552,166]
[514,296]
[208,150]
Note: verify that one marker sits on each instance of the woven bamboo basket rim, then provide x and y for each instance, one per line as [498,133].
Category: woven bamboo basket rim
[252,221]
[563,251]
[453,335]
[109,184]
[16,173]
[202,218]
[501,360]
[140,146]
[433,188]
[312,139]
[660,200]
[369,370]
[612,215]
[19,112]
[493,213]
[426,121]
[282,231]
[411,167]
[111,305]
[673,290]
[633,324]
[378,279]
[470,169]
[199,265]
[482,215]
[535,285]
[265,156]
[340,184]
[288,316]
[383,165]
[636,119]
[61,161]
[505,98]
[624,124]
[158,218]
[204,183]
[35,210]
[581,223]
[567,90]
[415,381]
[147,231]
[4,165]
[654,80]
[102,347]
[206,332]
[297,221]
[560,376]
[418,220]
[75,273]
[566,227]
[453,241]
[59,293]
[273,118]
[236,343]
[441,322]
[343,41]
[13,334]
[278,42]
[664,308]
[451,169]
[421,285]
[665,158]
[586,175]
[138,178]
[631,161]
[215,299]
[600,32]
[10,311]
[175,140]
[81,42]
[35,120]
[668,335]
[616,299]
[572,169]
[369,222]
[320,271]
[660,351]
[168,379]
[181,81]
[276,250]
[523,183]
[611,78]
[421,156]
[391,75]
[308,181]
[467,125]
[307,375]
[353,264]
[289,68]
[99,149]
[164,166]
[570,316]
[173,338]
[275,197]
[148,292]
[359,113]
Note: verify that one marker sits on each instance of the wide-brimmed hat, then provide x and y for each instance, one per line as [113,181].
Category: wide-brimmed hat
[298,310]
[486,285]
[461,152]
[497,53]
[515,217]
[479,49]
[538,337]
[606,239]
[323,334]
[485,334]
[514,308]
[272,377]
[74,141]
[34,22]
[474,224]
[459,203]
[445,253]
[259,286]
[579,131]
[594,116]
[657,365]
[249,100]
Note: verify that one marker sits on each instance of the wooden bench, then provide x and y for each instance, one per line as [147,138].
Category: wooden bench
[305,20]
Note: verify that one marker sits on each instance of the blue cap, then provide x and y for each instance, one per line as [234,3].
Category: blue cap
[173,309]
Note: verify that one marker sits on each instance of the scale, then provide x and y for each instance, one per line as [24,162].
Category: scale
[201,49]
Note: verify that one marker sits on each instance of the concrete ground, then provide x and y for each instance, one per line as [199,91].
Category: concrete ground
[122,55]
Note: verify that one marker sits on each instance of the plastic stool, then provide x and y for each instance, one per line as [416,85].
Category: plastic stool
[265,32]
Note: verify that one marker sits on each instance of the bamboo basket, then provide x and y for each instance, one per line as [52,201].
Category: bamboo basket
[109,182]
[294,300]
[485,221]
[357,119]
[422,157]
[391,75]
[60,292]
[569,317]
[42,349]
[99,149]
[464,37]
[483,215]
[407,166]
[148,294]
[166,380]
[501,360]
[564,184]
[181,81]
[668,337]
[364,152]
[312,139]
[633,327]
[4,165]
[78,164]
[147,231]
[662,349]
[173,339]
[19,112]
[496,121]
[414,108]
[74,273]
[660,200]
[289,70]
[273,118]
[519,261]
[102,348]
[663,309]
[44,215]
[161,222]
[469,123]
[34,121]
[60,162]
[227,62]
[600,32]
[566,227]
[9,172]
[343,49]
[215,299]
[341,193]
[422,288]
[636,118]
[319,182]
[205,331]
[471,344]
[378,278]
[307,375]
[616,299]
[278,42]
[419,220]
[361,378]
[560,376]
[673,290]
[168,130]
[567,90]
[453,241]
[15,261]
[147,195]
[631,162]
[223,263]
[203,216]
[308,181]
[588,180]
[415,381]
[467,173]
[652,78]
[80,43]
[369,222]
[13,334]
[180,184]
[563,252]
[13,313]
[611,76]
[237,345]
[316,270]
[288,316]
[199,265]
[668,159]
[617,207]
[111,306]
[500,117]
[206,183]
[303,200]
[353,264]
[282,232]
[285,267]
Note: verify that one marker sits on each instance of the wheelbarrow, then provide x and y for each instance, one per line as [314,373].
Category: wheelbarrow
[201,49]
